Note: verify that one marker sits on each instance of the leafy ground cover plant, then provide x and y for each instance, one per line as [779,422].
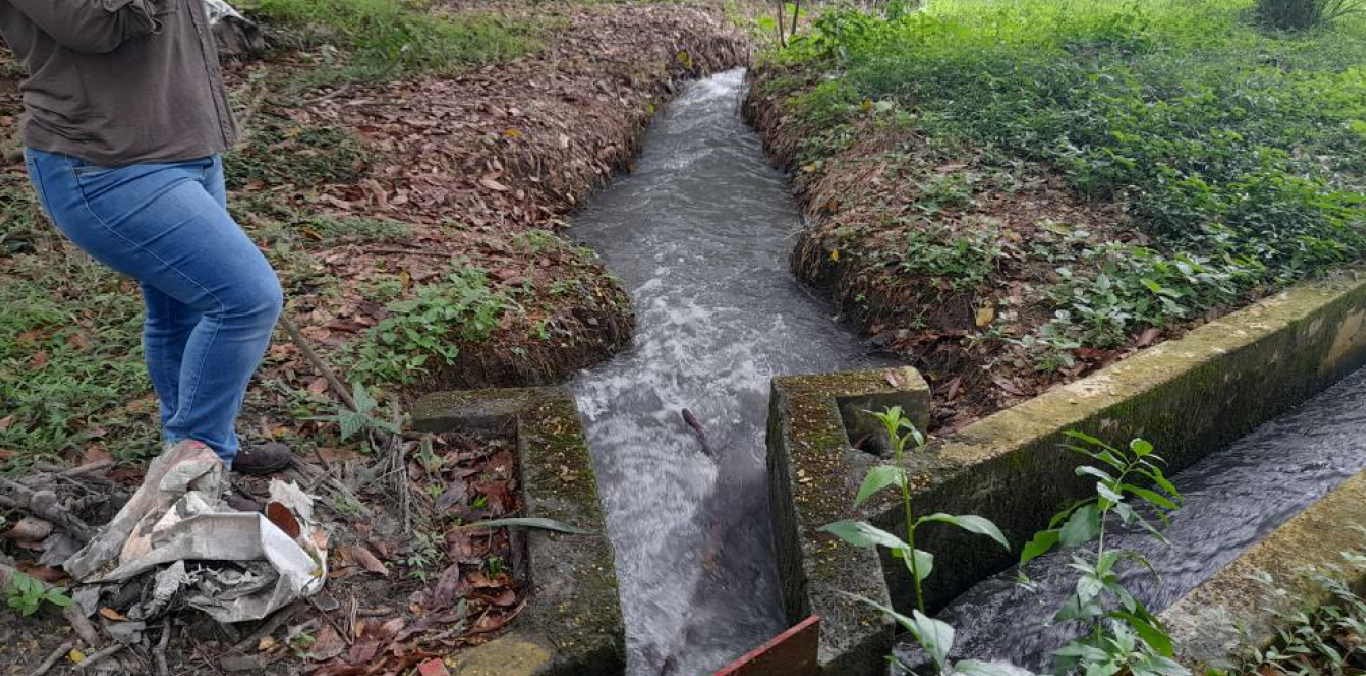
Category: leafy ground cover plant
[1124,636]
[1213,161]
[26,595]
[1329,640]
[934,636]
[428,328]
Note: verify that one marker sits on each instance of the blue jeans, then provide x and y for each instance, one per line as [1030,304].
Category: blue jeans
[212,298]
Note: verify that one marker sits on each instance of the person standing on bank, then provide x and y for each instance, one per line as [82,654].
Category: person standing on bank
[126,121]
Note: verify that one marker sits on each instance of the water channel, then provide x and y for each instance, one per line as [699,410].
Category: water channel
[1233,498]
[700,234]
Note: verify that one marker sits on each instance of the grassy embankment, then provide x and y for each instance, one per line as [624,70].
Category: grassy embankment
[1014,193]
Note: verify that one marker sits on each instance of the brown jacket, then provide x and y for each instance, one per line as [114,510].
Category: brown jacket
[118,82]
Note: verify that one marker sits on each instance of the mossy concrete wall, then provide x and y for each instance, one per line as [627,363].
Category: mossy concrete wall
[814,473]
[572,624]
[1188,397]
[1244,605]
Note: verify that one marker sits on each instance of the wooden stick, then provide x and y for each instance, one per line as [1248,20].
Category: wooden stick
[52,658]
[162,669]
[43,504]
[696,426]
[81,625]
[328,374]
[282,616]
[50,472]
[100,655]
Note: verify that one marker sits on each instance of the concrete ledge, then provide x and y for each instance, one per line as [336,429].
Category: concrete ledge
[1188,397]
[572,624]
[814,474]
[1245,604]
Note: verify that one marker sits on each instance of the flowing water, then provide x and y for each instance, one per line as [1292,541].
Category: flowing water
[700,233]
[1233,498]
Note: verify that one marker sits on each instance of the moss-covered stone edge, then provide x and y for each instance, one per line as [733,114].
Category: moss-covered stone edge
[574,608]
[813,477]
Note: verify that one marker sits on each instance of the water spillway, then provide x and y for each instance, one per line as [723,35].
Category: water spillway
[700,234]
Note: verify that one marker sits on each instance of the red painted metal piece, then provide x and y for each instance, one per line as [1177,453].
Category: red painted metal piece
[791,653]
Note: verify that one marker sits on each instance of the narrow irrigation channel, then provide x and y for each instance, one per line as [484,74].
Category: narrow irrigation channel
[700,233]
[1233,498]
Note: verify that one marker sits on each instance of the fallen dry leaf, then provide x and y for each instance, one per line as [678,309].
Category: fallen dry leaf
[433,667]
[112,615]
[367,560]
[1149,336]
[280,515]
[328,645]
[492,184]
[985,315]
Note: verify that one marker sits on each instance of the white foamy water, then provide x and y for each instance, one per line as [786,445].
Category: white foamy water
[700,233]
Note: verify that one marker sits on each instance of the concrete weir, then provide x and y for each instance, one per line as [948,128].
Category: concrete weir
[572,625]
[1188,397]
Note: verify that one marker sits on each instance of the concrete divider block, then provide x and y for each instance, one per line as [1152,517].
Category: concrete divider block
[572,624]
[814,473]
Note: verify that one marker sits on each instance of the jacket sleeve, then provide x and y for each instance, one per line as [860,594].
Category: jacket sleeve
[90,26]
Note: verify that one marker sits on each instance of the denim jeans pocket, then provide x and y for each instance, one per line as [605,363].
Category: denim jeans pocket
[81,168]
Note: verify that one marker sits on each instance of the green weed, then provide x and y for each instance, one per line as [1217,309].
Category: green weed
[1235,151]
[1316,641]
[393,38]
[26,595]
[934,636]
[427,329]
[1124,636]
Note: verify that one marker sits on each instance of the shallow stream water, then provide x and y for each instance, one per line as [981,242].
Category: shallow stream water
[1233,498]
[700,234]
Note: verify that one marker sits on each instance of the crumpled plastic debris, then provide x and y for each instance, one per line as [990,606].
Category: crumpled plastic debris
[234,566]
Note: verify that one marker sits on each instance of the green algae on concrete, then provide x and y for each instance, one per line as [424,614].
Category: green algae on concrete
[814,473]
[573,615]
[1188,397]
[1246,603]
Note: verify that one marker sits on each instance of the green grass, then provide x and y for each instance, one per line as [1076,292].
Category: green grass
[71,371]
[392,38]
[279,152]
[426,331]
[1232,149]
